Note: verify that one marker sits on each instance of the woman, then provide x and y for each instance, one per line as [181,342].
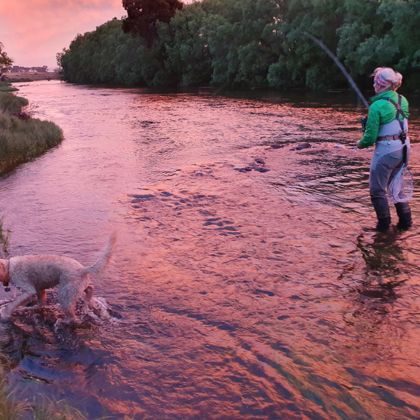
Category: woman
[387,128]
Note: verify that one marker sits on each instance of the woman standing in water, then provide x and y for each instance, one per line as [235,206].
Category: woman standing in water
[387,128]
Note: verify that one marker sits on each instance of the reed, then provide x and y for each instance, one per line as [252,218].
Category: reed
[39,409]
[9,408]
[12,409]
[55,410]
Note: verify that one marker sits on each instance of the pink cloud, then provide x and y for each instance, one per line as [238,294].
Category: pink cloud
[33,31]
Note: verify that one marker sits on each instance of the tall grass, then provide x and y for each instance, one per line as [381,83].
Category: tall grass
[11,104]
[54,410]
[22,139]
[40,409]
[11,409]
[7,87]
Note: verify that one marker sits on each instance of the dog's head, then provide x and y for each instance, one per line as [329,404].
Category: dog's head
[4,272]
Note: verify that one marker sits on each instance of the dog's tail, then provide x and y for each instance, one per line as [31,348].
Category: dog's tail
[103,259]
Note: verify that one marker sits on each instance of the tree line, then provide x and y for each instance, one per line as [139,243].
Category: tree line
[245,44]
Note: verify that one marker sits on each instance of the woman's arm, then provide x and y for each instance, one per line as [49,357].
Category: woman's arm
[372,128]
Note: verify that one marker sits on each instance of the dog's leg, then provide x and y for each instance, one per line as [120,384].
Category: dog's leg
[21,300]
[88,295]
[67,296]
[42,297]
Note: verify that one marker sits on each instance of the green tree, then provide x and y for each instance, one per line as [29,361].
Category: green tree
[404,19]
[106,55]
[380,33]
[142,16]
[186,47]
[299,58]
[239,41]
[5,60]
[248,43]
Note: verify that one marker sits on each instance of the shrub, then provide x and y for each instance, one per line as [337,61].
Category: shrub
[7,87]
[22,138]
[11,104]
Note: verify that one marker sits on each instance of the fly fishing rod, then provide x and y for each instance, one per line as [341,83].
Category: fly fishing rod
[340,66]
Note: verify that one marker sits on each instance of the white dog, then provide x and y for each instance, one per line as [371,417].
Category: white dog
[33,274]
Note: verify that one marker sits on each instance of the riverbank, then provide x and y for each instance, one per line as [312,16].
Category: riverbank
[32,77]
[22,138]
[6,87]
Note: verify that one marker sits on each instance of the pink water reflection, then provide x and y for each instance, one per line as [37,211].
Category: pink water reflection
[247,277]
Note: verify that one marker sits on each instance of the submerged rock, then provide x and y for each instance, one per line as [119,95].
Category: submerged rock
[302,146]
[258,165]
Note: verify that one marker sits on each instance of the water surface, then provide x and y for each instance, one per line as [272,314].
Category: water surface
[247,279]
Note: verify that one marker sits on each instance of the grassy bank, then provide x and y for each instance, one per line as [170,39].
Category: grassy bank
[5,87]
[22,138]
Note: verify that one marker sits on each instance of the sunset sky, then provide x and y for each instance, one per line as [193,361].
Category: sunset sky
[33,31]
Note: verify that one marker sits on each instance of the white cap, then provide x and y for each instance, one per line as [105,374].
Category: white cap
[387,78]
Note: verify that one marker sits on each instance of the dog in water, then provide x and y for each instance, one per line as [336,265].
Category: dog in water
[33,274]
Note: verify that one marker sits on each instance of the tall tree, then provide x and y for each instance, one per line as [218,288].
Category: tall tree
[142,16]
[5,60]
[249,43]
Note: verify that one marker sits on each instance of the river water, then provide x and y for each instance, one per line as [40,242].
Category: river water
[246,282]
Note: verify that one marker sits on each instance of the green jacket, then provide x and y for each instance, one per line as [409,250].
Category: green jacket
[381,112]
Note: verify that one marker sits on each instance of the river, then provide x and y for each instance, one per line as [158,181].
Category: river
[246,282]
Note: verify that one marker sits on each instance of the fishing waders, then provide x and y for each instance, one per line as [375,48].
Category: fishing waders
[389,158]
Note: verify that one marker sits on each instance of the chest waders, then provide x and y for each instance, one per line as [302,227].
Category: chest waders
[403,133]
[388,168]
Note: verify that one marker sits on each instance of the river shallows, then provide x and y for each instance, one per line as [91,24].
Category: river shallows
[246,276]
